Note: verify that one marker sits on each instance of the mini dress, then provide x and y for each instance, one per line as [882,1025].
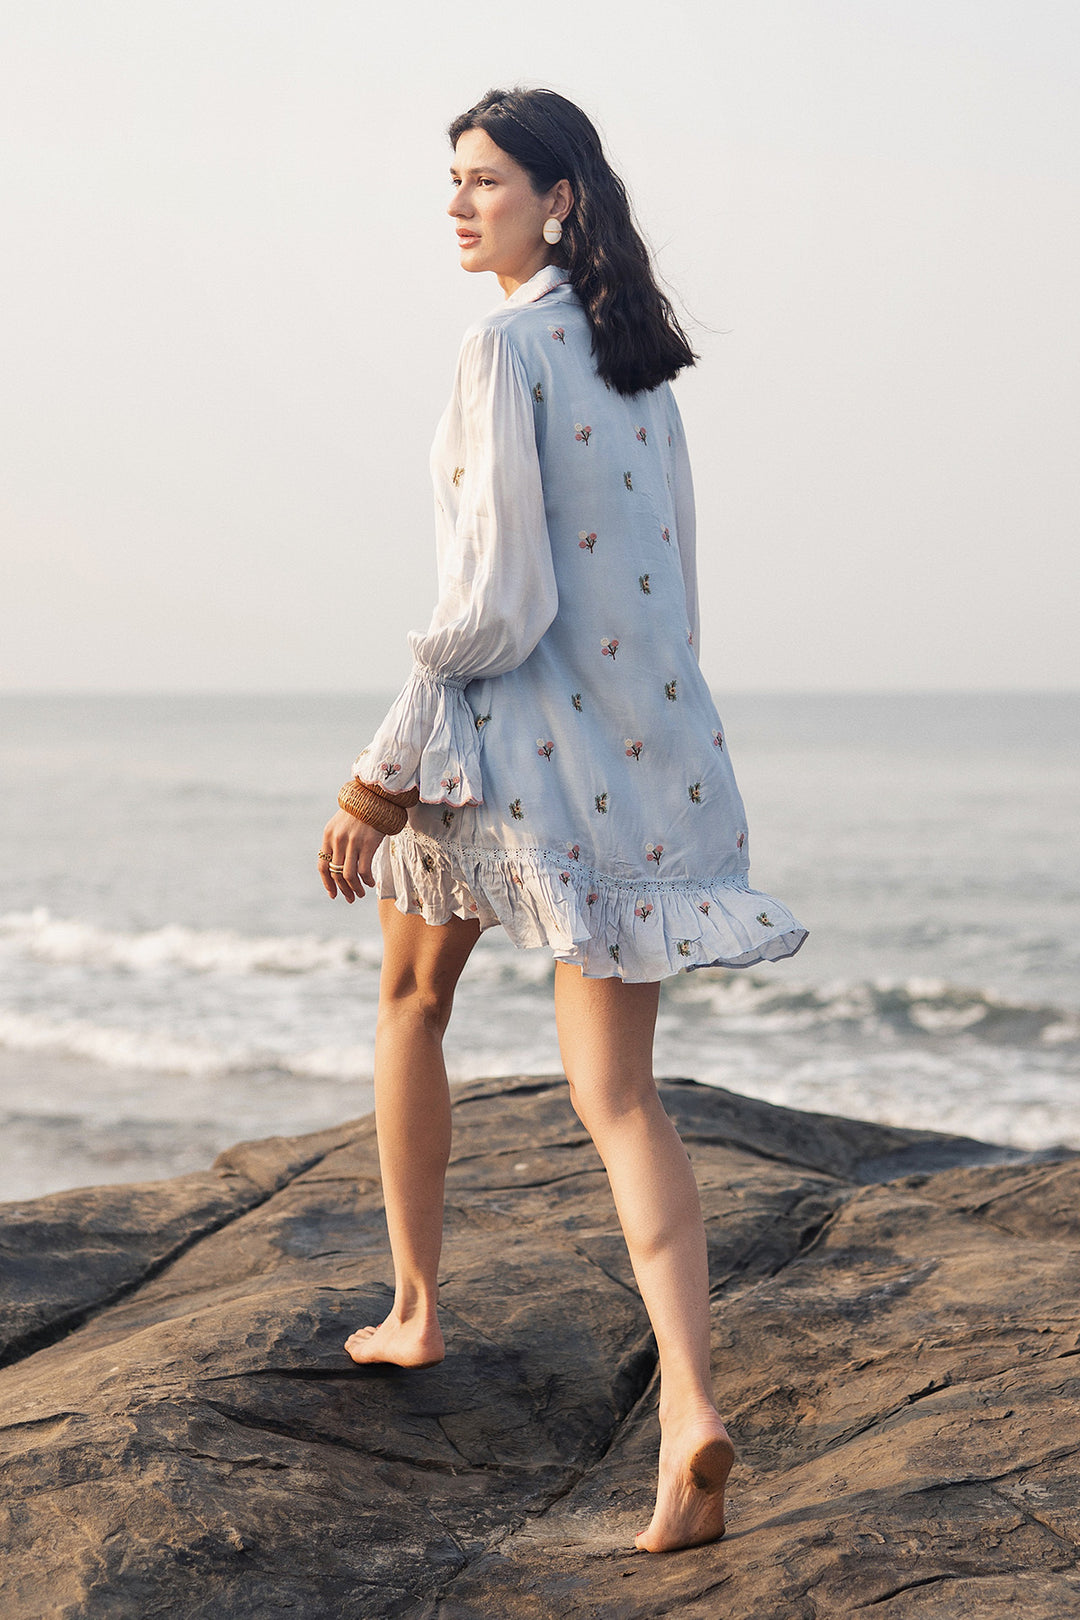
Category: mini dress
[575,780]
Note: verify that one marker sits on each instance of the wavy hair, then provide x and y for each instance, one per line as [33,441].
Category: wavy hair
[637,342]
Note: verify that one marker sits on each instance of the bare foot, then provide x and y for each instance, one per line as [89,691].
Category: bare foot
[695,1461]
[415,1343]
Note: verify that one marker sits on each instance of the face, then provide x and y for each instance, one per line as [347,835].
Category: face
[498,216]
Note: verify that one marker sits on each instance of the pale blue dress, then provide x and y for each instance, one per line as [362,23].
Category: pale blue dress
[574,775]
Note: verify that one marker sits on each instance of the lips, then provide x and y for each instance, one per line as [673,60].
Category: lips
[466,238]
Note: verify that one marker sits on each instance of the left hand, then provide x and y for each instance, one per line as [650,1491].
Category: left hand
[350,844]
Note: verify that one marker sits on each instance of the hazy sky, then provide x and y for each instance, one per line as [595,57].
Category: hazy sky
[230,304]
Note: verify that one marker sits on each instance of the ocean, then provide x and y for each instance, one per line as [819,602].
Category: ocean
[173,977]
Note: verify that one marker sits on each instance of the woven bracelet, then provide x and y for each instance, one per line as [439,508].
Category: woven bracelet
[371,807]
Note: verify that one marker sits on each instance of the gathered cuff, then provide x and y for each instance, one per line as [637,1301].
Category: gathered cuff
[428,740]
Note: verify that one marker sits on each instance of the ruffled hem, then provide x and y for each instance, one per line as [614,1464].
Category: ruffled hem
[428,740]
[609,927]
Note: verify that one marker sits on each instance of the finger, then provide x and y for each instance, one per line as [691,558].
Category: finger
[325,876]
[338,871]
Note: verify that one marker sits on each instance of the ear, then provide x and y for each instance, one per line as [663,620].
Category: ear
[562,199]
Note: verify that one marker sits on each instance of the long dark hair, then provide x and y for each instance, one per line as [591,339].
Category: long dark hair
[637,341]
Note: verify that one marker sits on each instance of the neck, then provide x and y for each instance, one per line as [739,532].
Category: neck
[513,279]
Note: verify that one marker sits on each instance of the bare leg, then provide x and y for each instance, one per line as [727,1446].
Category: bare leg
[606,1037]
[421,968]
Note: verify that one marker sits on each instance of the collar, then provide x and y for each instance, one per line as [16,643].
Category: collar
[546,280]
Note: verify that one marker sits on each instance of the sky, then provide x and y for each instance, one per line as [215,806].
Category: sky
[230,304]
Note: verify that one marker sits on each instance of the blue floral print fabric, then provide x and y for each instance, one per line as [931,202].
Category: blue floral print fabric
[575,779]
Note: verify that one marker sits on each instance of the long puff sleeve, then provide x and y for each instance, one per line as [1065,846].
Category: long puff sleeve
[686,530]
[497,591]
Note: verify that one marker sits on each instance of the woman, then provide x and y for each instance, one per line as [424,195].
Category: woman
[571,772]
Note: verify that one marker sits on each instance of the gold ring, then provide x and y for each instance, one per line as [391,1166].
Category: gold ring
[336,869]
[323,856]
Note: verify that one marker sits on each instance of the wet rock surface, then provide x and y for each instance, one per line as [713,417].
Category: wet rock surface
[896,1336]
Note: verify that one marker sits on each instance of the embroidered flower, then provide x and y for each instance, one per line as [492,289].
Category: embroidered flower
[427,861]
[545,749]
[608,648]
[574,852]
[643,581]
[458,475]
[640,434]
[671,691]
[558,333]
[582,433]
[665,534]
[601,804]
[591,898]
[564,877]
[765,920]
[516,879]
[644,910]
[689,636]
[481,721]
[718,739]
[515,809]
[669,439]
[627,480]
[633,749]
[704,906]
[538,394]
[473,907]
[613,952]
[653,852]
[575,699]
[683,947]
[447,818]
[388,770]
[740,841]
[586,541]
[694,791]
[449,783]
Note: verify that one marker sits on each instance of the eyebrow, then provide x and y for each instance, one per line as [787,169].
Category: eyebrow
[484,168]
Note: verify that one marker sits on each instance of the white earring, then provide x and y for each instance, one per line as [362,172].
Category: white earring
[552,231]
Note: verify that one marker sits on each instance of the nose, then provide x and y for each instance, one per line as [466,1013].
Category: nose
[457,208]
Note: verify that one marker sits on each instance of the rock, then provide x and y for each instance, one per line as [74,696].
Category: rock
[896,1334]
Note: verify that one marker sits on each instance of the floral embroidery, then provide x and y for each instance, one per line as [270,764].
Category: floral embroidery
[718,739]
[545,749]
[586,541]
[601,804]
[591,898]
[564,876]
[388,770]
[765,920]
[459,473]
[575,699]
[640,434]
[643,581]
[694,791]
[447,818]
[473,907]
[704,906]
[538,394]
[608,647]
[689,636]
[644,910]
[669,439]
[574,852]
[633,749]
[627,480]
[653,852]
[427,861]
[740,841]
[613,952]
[516,878]
[670,691]
[449,783]
[558,333]
[515,809]
[582,434]
[665,534]
[683,947]
[481,721]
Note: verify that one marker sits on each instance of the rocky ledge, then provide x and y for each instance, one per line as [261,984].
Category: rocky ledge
[896,1338]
